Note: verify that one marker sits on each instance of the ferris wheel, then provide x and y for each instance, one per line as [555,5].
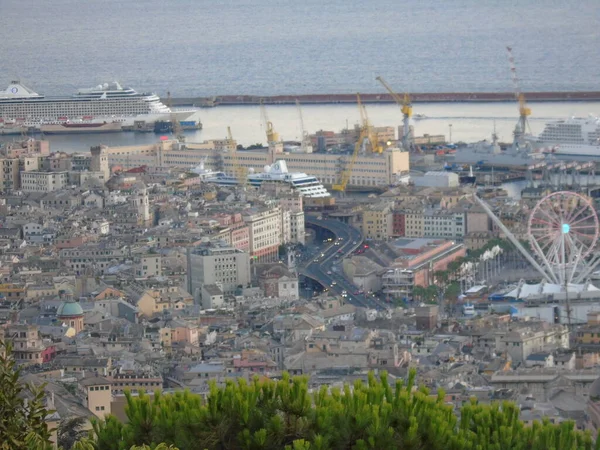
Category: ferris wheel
[563,230]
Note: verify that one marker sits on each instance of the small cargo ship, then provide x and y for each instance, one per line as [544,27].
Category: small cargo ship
[82,127]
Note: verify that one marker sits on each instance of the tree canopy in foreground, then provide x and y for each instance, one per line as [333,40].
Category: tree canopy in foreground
[284,414]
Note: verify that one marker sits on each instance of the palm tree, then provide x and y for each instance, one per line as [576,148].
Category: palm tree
[70,431]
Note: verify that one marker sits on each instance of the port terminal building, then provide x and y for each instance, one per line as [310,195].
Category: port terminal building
[370,170]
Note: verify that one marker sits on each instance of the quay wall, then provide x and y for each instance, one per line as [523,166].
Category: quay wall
[323,99]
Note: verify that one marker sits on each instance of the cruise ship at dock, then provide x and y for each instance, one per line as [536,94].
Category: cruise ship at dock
[306,185]
[109,104]
[575,136]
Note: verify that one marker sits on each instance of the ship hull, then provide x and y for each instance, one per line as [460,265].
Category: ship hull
[81,128]
[579,150]
[7,131]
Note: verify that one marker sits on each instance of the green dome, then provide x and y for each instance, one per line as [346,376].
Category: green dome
[69,308]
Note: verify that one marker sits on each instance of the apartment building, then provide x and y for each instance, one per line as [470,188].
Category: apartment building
[444,224]
[28,347]
[44,181]
[266,230]
[9,174]
[414,224]
[378,221]
[97,256]
[213,263]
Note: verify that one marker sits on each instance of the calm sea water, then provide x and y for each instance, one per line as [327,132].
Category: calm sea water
[202,47]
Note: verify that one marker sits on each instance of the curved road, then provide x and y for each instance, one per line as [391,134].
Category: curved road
[349,240]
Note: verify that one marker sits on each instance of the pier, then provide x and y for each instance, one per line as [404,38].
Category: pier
[383,98]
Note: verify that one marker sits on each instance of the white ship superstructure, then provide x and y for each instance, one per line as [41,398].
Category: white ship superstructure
[306,185]
[109,102]
[577,136]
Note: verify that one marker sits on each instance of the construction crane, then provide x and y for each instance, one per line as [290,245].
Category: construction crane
[176,126]
[346,172]
[305,144]
[367,127]
[272,135]
[239,172]
[406,108]
[524,111]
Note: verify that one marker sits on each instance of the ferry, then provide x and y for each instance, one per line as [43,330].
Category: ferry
[108,102]
[306,185]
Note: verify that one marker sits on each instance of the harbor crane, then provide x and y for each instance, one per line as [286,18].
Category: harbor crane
[524,110]
[272,135]
[367,127]
[240,172]
[348,166]
[305,144]
[406,108]
[176,126]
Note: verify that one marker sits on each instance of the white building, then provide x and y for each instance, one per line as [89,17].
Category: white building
[44,181]
[148,266]
[212,296]
[212,263]
[265,233]
[437,179]
[444,224]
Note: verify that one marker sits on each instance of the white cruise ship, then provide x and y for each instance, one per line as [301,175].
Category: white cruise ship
[307,185]
[575,136]
[107,103]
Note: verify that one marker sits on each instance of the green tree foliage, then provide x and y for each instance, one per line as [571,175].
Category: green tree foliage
[22,410]
[70,430]
[276,415]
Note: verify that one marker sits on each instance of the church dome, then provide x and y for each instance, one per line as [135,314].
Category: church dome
[69,308]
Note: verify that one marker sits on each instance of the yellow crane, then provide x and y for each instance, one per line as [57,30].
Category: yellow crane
[524,110]
[272,135]
[367,127]
[346,172]
[406,108]
[177,132]
[241,173]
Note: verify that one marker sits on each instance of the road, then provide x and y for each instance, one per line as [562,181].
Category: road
[347,240]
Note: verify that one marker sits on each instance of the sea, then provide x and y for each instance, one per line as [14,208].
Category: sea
[267,47]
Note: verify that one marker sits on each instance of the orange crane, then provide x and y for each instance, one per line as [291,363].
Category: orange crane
[406,108]
[524,110]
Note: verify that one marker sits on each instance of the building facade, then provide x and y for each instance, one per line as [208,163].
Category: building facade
[215,264]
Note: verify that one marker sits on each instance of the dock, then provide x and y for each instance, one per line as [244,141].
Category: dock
[384,98]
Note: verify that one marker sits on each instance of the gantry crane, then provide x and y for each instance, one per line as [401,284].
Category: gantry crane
[367,127]
[406,108]
[346,172]
[524,111]
[240,172]
[176,126]
[305,144]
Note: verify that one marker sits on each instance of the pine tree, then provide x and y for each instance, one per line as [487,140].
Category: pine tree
[22,409]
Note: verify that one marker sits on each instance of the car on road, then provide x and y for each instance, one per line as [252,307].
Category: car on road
[329,272]
[316,260]
[333,283]
[354,243]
